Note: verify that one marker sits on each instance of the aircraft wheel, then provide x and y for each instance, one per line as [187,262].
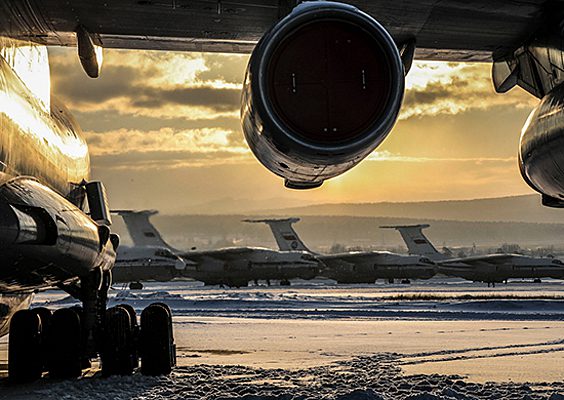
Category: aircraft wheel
[65,344]
[24,347]
[45,316]
[537,280]
[136,286]
[405,282]
[118,348]
[284,282]
[134,343]
[157,348]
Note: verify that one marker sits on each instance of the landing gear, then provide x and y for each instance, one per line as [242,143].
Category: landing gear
[63,343]
[65,350]
[405,282]
[284,282]
[24,352]
[118,352]
[136,286]
[158,351]
[537,280]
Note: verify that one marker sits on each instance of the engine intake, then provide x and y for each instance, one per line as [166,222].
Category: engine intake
[323,89]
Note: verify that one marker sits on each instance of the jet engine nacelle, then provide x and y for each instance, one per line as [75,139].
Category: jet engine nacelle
[541,149]
[323,89]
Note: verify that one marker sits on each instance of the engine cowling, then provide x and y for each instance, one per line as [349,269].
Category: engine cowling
[541,148]
[323,89]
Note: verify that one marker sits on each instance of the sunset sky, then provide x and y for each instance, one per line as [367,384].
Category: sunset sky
[164,132]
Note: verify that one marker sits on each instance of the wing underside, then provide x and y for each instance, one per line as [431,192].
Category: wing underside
[454,30]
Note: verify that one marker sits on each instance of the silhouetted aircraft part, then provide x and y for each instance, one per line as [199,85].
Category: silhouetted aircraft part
[89,53]
[308,116]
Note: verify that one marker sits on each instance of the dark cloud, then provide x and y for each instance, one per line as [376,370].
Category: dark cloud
[435,92]
[101,121]
[161,158]
[70,83]
[223,99]
[118,81]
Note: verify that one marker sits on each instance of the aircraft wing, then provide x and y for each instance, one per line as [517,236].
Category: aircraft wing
[490,259]
[453,30]
[227,254]
[347,258]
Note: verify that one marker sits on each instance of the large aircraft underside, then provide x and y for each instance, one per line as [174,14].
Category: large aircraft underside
[295,115]
[453,30]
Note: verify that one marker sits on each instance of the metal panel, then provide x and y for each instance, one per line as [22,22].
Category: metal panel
[459,29]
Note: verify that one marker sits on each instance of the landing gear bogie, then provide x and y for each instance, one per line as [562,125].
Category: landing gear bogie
[64,342]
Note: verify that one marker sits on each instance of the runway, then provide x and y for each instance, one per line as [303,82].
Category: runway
[442,338]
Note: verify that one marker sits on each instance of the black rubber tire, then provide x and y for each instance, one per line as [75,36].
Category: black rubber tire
[157,349]
[24,347]
[45,316]
[134,343]
[136,286]
[64,360]
[118,346]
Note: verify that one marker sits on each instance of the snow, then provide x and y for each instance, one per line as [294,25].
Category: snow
[318,340]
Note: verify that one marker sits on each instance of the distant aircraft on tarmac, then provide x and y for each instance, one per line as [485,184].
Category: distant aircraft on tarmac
[490,268]
[232,266]
[138,264]
[354,266]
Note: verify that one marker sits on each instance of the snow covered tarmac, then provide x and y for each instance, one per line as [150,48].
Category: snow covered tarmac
[319,340]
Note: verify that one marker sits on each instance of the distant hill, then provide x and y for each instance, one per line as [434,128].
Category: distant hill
[232,205]
[515,209]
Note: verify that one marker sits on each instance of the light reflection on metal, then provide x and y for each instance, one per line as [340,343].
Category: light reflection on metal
[30,63]
[34,140]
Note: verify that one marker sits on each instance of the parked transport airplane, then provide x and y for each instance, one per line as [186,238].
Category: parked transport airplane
[490,268]
[354,266]
[138,264]
[232,266]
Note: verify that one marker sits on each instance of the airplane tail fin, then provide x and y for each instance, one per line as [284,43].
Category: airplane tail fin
[142,231]
[417,243]
[284,233]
